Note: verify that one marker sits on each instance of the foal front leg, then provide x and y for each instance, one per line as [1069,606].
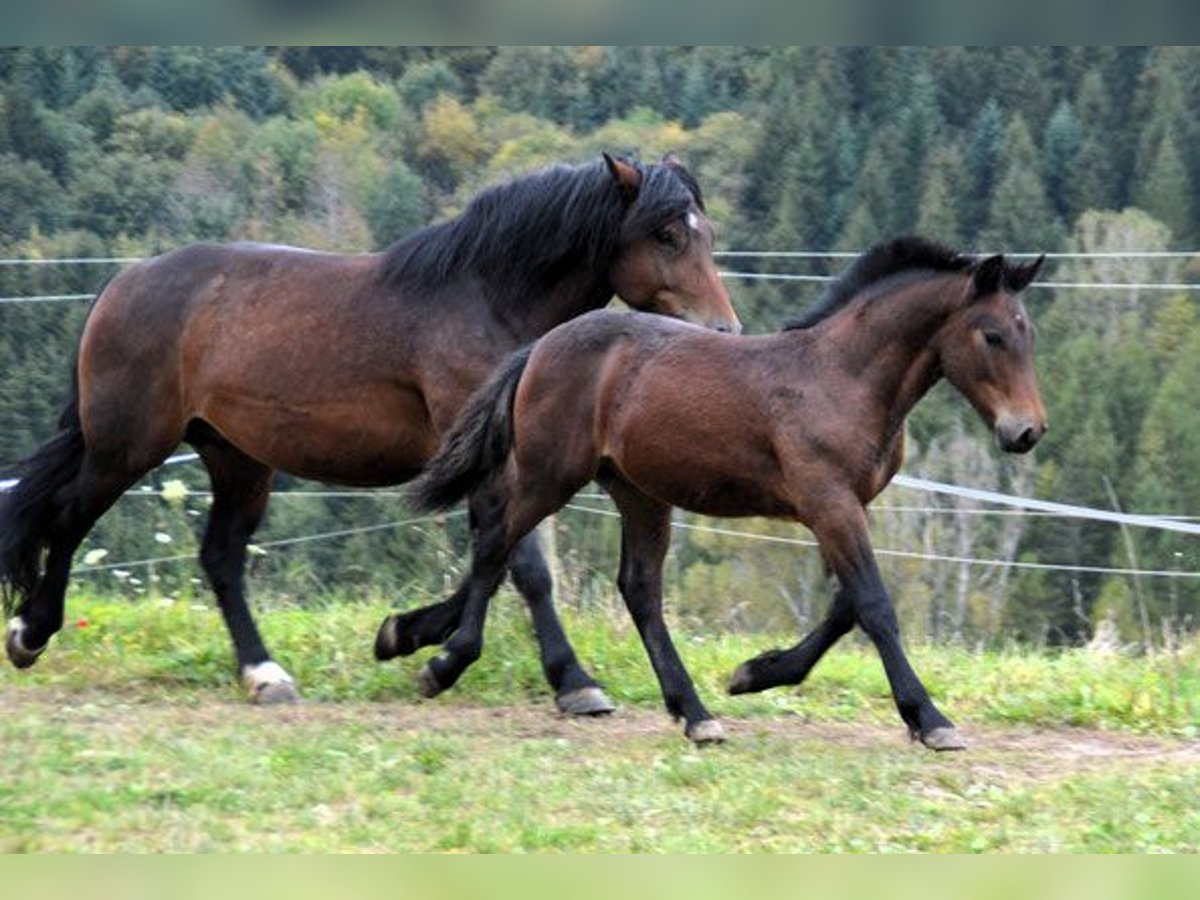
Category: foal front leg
[847,546]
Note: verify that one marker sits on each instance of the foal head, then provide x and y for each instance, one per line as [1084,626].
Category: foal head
[986,352]
[663,261]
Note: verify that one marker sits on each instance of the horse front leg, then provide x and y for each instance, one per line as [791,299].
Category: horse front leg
[842,533]
[791,666]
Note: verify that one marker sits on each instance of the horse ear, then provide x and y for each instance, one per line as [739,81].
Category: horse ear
[1021,277]
[671,160]
[988,275]
[627,176]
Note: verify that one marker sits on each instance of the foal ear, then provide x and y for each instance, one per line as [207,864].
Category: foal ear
[1022,276]
[671,160]
[627,176]
[988,275]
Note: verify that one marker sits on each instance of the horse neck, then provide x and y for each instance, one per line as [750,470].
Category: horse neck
[890,343]
[534,312]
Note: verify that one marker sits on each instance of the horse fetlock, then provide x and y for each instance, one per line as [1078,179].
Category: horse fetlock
[268,683]
[21,656]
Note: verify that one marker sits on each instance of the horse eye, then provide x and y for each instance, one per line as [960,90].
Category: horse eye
[667,238]
[993,339]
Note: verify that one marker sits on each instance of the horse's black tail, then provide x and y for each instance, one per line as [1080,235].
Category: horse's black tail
[479,443]
[29,507]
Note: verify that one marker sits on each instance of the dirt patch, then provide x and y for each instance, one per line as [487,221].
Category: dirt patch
[994,752]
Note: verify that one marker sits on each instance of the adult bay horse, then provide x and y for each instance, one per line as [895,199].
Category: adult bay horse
[805,424]
[340,368]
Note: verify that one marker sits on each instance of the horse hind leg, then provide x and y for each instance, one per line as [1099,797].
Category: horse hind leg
[53,533]
[645,538]
[576,693]
[241,487]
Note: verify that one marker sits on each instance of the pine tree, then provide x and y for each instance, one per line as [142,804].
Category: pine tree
[937,215]
[1020,216]
[1164,190]
[983,161]
[1060,148]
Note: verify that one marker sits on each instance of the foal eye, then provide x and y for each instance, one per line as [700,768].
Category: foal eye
[993,339]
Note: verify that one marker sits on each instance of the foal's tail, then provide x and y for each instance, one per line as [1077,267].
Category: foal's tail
[29,507]
[477,447]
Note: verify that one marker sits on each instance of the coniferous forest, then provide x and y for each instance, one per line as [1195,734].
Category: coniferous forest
[111,153]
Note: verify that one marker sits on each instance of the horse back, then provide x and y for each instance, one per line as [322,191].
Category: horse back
[288,353]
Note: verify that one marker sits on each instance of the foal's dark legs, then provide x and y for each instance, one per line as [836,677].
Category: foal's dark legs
[779,667]
[576,692]
[645,538]
[241,487]
[862,598]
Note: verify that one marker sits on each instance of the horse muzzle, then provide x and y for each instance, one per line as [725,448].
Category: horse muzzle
[1019,434]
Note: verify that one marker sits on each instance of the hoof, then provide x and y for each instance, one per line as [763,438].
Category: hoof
[587,701]
[709,731]
[427,683]
[14,645]
[945,738]
[268,684]
[742,682]
[385,640]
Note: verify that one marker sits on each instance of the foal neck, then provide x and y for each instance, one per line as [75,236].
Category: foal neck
[888,337]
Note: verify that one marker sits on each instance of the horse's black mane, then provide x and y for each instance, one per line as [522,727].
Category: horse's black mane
[881,261]
[527,233]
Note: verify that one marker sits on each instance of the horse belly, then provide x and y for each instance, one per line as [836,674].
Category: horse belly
[358,439]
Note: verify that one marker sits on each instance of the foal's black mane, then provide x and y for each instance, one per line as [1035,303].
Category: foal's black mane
[527,233]
[881,261]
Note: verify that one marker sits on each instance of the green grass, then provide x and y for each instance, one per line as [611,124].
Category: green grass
[131,735]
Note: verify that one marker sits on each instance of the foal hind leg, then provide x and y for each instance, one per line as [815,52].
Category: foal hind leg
[645,538]
[241,487]
[402,634]
[80,503]
[576,693]
[780,667]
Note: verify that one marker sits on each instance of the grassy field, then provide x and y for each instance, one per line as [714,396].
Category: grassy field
[130,735]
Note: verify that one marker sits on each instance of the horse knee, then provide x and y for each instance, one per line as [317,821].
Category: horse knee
[532,579]
[878,618]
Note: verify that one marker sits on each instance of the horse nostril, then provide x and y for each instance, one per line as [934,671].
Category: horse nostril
[1028,438]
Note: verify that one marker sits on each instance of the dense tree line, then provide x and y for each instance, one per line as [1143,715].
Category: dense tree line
[131,151]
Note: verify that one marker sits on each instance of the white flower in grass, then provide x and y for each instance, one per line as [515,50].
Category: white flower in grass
[174,491]
[255,550]
[121,574]
[135,581]
[94,556]
[162,537]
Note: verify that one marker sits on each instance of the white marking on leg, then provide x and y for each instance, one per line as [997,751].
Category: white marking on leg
[264,674]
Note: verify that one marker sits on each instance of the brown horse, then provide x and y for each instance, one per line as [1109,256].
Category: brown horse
[345,369]
[805,424]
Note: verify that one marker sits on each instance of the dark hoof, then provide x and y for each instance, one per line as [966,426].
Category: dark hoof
[385,640]
[587,701]
[709,731]
[14,646]
[427,683]
[742,681]
[944,738]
